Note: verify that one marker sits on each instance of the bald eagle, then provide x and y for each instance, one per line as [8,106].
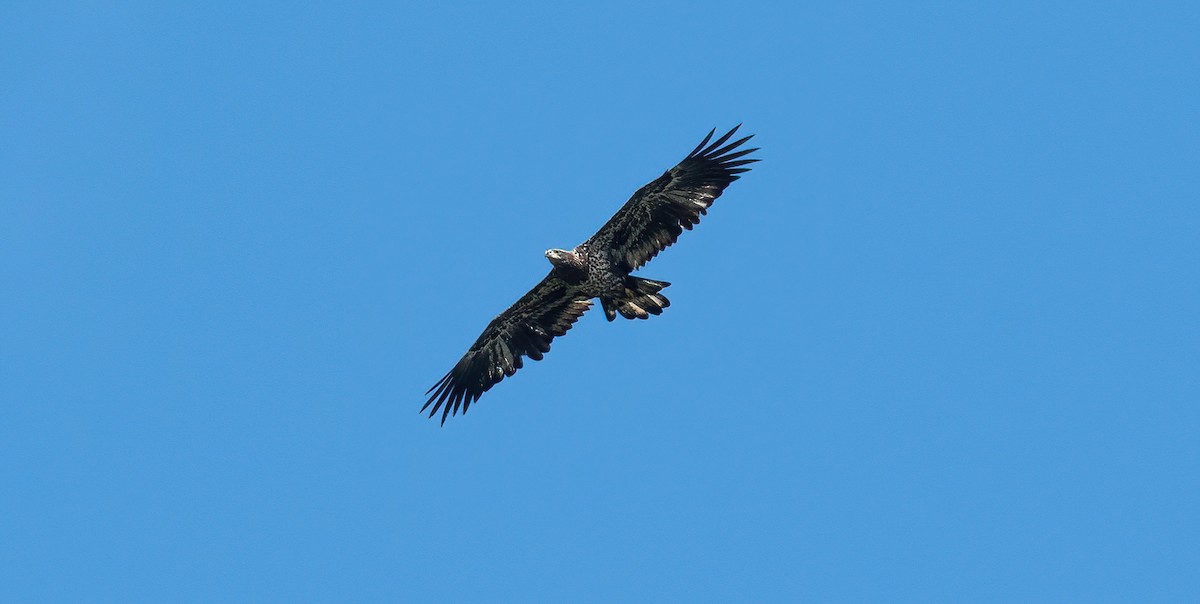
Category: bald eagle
[597,268]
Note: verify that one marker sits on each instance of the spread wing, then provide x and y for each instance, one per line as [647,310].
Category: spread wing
[525,329]
[657,213]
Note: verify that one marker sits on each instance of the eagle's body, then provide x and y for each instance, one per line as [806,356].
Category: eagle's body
[590,269]
[598,268]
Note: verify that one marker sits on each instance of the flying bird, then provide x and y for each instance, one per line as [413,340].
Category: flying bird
[600,268]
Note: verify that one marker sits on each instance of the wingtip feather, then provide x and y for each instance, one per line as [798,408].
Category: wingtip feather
[704,142]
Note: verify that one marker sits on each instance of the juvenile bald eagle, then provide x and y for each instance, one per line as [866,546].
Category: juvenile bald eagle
[597,268]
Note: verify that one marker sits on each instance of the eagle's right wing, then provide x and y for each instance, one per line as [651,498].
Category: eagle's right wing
[660,211]
[525,329]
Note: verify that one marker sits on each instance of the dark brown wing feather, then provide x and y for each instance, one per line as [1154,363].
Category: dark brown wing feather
[525,329]
[657,213]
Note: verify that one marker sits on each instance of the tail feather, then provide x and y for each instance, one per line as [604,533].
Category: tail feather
[640,300]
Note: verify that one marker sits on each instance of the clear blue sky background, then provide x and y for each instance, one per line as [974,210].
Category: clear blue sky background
[941,345]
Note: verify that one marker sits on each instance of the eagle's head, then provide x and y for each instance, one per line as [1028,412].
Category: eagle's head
[564,258]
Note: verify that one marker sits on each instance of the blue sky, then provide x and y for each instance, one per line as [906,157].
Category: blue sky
[940,345]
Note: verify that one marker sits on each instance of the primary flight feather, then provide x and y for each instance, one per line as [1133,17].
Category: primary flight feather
[597,268]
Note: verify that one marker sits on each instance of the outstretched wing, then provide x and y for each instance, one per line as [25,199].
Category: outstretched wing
[525,329]
[657,213]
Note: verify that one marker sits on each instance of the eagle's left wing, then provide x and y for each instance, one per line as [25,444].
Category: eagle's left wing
[525,329]
[659,212]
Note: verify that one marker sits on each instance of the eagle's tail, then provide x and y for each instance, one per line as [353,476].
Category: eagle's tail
[640,300]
